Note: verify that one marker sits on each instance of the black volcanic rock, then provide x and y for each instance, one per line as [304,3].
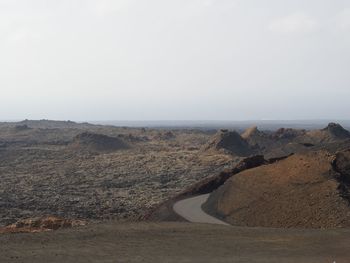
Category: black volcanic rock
[255,137]
[341,164]
[251,132]
[337,131]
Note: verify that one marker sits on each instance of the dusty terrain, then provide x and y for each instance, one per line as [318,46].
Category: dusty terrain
[176,242]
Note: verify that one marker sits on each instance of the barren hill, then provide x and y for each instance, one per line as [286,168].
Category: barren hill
[98,142]
[304,190]
[280,143]
[285,141]
[333,132]
[230,142]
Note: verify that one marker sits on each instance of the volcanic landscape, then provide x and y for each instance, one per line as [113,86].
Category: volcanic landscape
[56,175]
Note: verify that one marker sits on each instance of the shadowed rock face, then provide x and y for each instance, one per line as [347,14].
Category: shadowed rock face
[337,131]
[231,142]
[288,134]
[341,164]
[254,137]
[258,139]
[98,142]
[250,132]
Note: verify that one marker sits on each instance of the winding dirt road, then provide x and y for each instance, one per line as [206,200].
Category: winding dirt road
[191,210]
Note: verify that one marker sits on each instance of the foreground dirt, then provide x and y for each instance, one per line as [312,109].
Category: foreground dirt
[176,242]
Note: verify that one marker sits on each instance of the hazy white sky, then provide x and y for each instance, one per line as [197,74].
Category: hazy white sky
[166,59]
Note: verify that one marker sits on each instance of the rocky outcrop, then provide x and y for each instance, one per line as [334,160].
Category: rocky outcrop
[230,142]
[335,130]
[41,224]
[257,139]
[287,134]
[332,133]
[286,140]
[341,164]
[251,132]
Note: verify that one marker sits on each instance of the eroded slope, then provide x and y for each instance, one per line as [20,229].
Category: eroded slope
[301,191]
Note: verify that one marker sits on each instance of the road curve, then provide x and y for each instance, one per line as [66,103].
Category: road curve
[191,210]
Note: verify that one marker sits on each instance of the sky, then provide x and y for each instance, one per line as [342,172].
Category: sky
[174,60]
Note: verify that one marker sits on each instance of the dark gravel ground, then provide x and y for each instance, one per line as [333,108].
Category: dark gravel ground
[177,242]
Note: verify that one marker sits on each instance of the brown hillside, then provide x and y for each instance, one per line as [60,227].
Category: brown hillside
[333,132]
[301,191]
